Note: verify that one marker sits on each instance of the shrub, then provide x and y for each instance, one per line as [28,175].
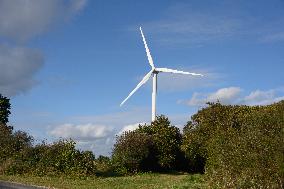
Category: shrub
[19,156]
[241,146]
[6,149]
[62,157]
[12,143]
[131,150]
[194,149]
[167,140]
[251,156]
[58,158]
[104,166]
[154,147]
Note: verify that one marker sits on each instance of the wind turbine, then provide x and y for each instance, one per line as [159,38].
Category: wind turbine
[154,73]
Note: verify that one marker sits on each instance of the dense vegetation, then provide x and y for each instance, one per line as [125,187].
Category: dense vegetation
[5,107]
[234,146]
[240,146]
[19,156]
[154,147]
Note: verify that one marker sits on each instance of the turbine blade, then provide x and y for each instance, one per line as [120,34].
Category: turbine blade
[147,50]
[176,71]
[143,81]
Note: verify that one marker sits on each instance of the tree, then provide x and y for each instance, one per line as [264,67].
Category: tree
[4,109]
[154,147]
[167,141]
[130,152]
[240,146]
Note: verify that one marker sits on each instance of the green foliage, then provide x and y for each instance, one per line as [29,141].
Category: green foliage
[194,148]
[12,143]
[4,109]
[58,158]
[130,151]
[5,142]
[240,146]
[104,166]
[167,141]
[152,147]
[19,156]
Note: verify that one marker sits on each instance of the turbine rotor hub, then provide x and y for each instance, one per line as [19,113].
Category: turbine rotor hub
[155,71]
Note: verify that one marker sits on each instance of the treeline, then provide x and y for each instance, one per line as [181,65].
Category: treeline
[234,146]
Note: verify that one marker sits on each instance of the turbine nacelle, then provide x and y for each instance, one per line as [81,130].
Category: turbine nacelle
[155,71]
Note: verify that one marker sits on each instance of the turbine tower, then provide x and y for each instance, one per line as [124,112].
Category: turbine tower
[154,73]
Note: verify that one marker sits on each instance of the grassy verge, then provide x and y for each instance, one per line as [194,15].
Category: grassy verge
[149,180]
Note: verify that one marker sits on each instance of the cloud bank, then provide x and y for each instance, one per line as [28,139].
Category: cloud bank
[18,65]
[24,19]
[233,95]
[87,132]
[20,21]
[131,127]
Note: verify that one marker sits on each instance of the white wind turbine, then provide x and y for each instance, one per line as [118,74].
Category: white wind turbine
[154,72]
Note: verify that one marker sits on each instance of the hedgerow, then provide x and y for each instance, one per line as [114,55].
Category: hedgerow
[235,146]
[239,146]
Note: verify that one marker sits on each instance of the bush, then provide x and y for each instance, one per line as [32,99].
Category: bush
[194,149]
[19,156]
[154,147]
[58,158]
[12,143]
[62,158]
[6,149]
[167,140]
[241,146]
[130,152]
[104,166]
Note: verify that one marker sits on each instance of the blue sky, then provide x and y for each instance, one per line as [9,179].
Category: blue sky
[67,65]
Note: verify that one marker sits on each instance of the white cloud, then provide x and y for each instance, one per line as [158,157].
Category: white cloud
[232,95]
[115,124]
[131,127]
[101,146]
[259,97]
[197,99]
[87,132]
[18,67]
[23,19]
[97,138]
[228,95]
[225,95]
[94,137]
[117,119]
[119,122]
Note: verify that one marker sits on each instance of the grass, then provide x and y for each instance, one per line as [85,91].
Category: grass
[148,180]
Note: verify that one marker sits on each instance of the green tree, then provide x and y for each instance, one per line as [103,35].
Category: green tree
[154,147]
[166,139]
[4,109]
[241,146]
[131,151]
